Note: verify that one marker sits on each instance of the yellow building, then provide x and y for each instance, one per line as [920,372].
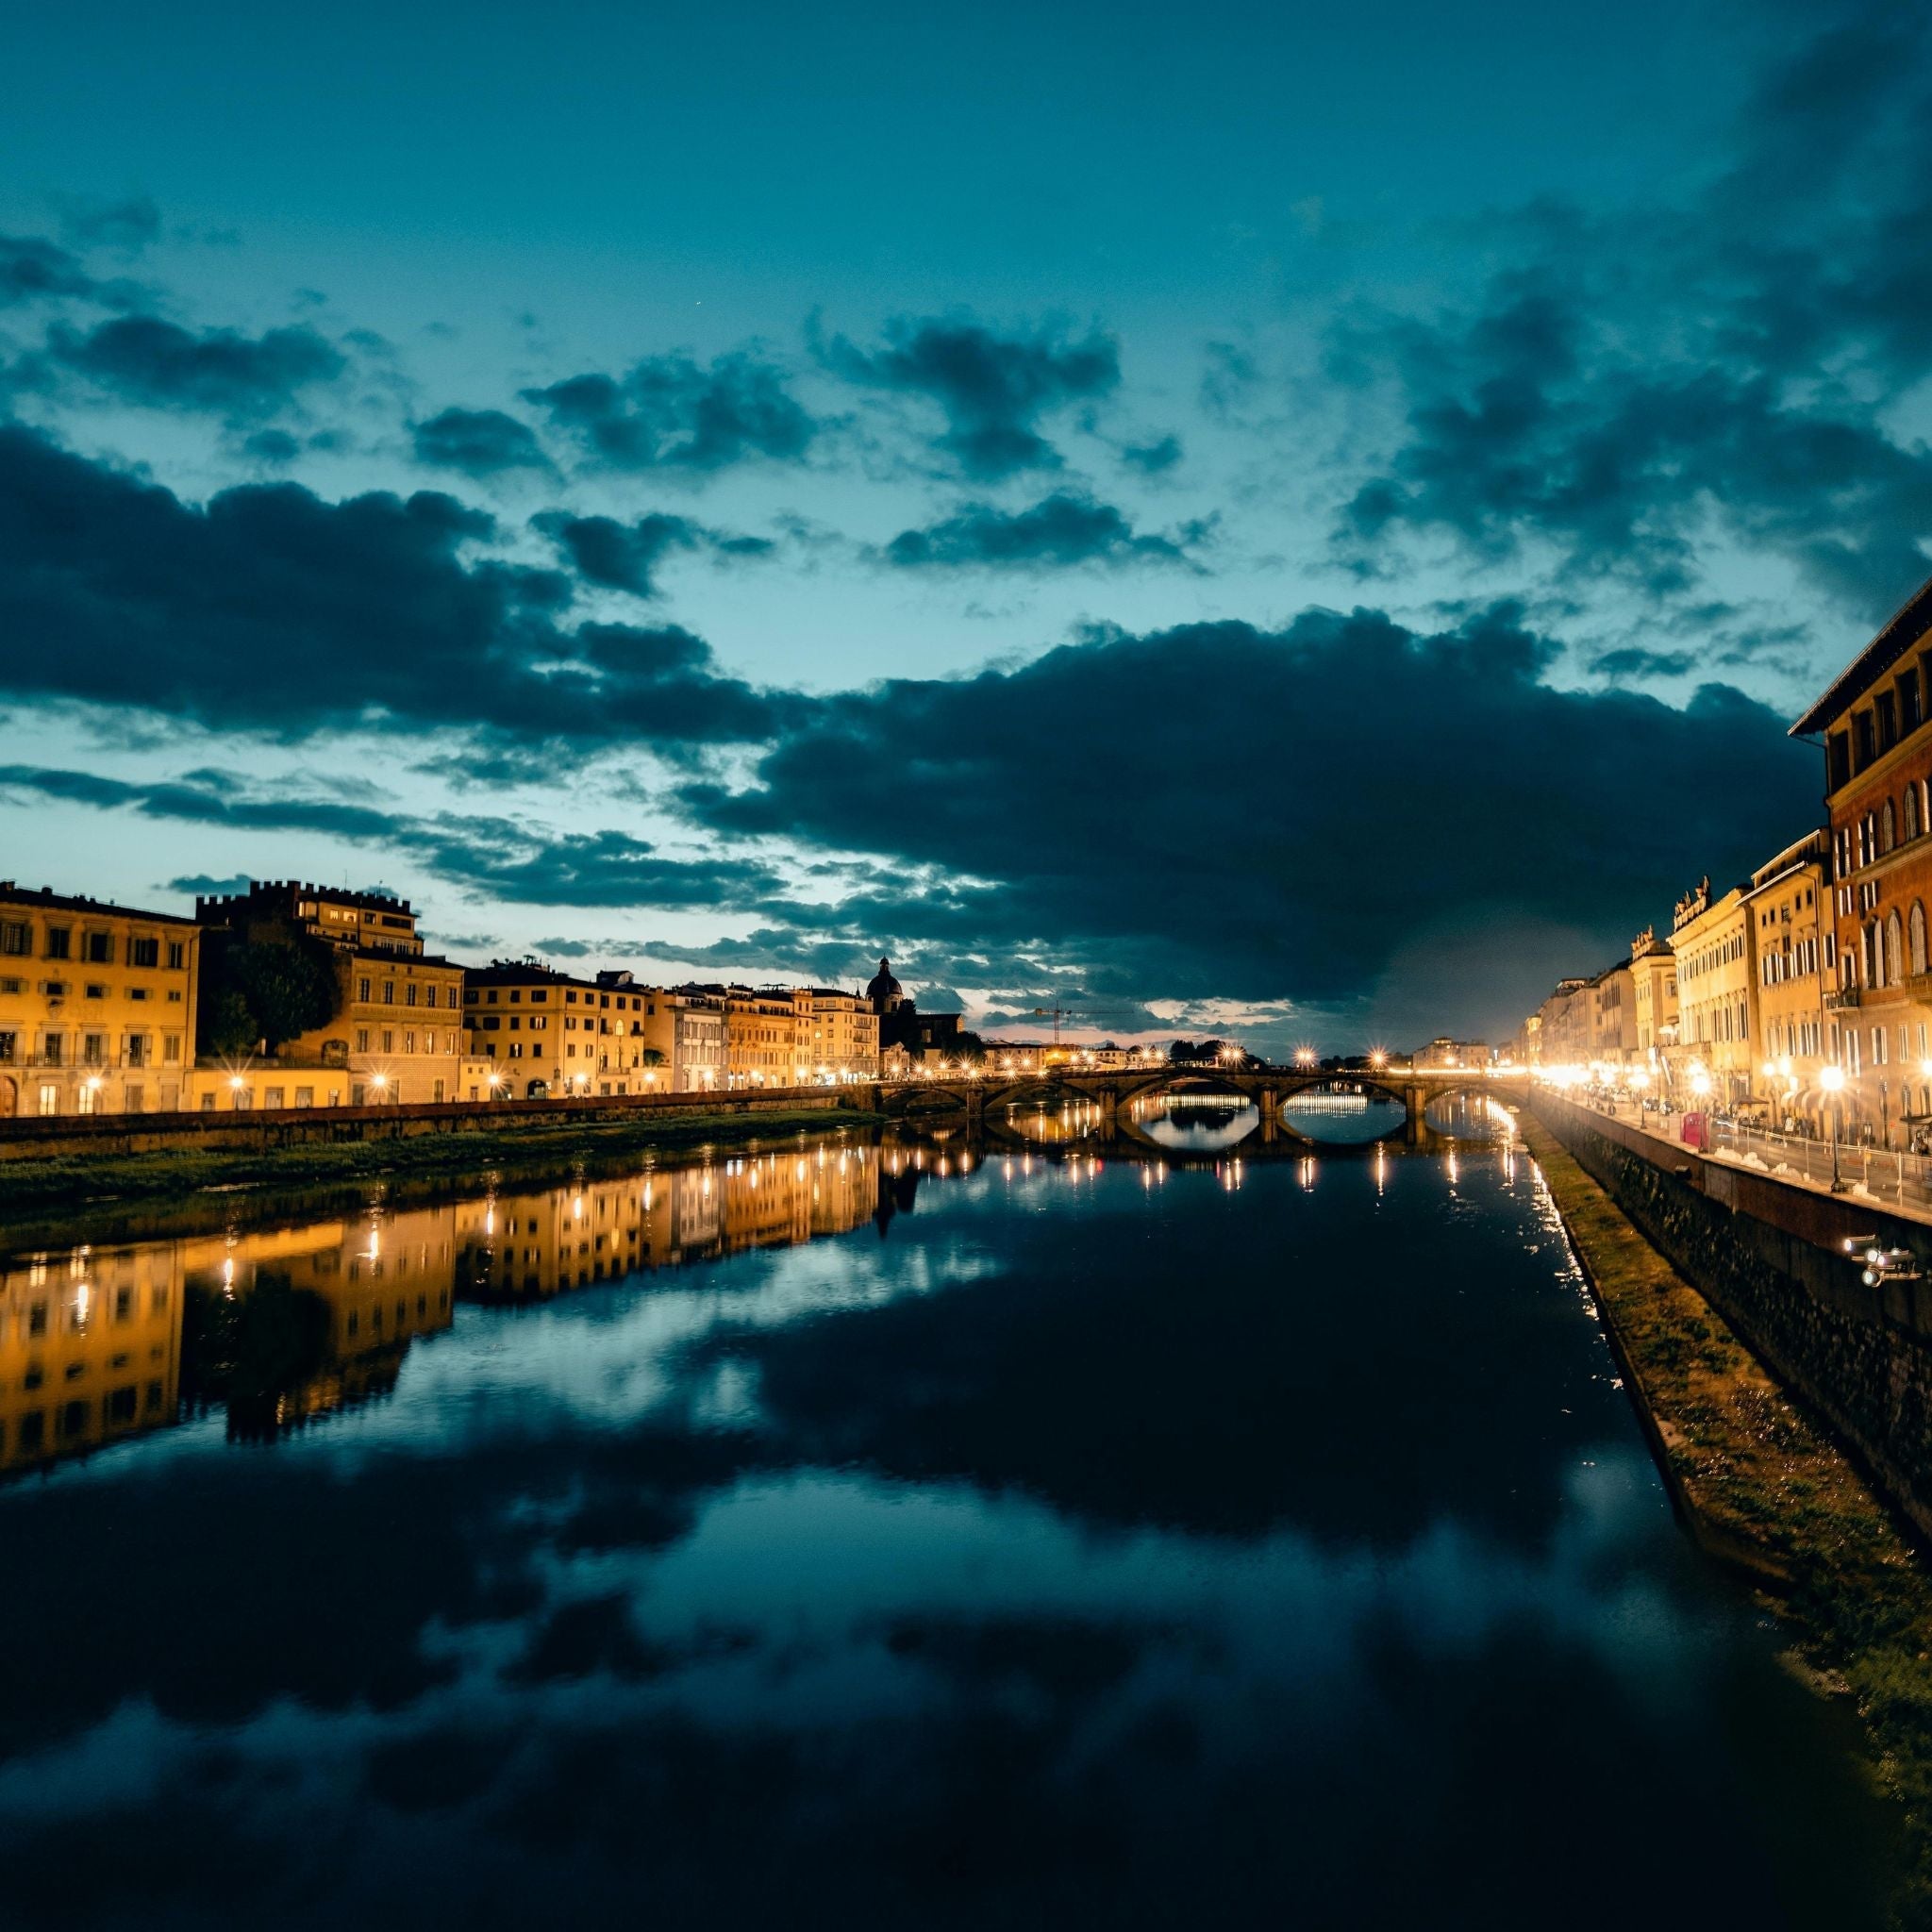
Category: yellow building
[1792,939]
[683,1041]
[397,1032]
[836,1037]
[760,1037]
[89,1349]
[97,1005]
[1654,996]
[1718,1054]
[545,1032]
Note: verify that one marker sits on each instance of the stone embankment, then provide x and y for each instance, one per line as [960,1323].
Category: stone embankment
[1759,1474]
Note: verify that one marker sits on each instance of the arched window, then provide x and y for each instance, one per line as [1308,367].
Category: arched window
[1888,832]
[1912,812]
[1894,960]
[1918,936]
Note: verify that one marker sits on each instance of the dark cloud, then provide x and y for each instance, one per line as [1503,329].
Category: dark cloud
[1633,661]
[272,609]
[1634,389]
[274,446]
[670,412]
[994,390]
[495,858]
[127,227]
[1062,529]
[625,556]
[144,359]
[1153,458]
[32,268]
[479,442]
[1223,812]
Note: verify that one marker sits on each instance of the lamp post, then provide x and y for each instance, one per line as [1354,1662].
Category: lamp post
[1832,1080]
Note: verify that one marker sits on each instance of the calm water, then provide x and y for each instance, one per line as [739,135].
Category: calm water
[840,1538]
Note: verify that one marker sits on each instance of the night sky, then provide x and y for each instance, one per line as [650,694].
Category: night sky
[1311,521]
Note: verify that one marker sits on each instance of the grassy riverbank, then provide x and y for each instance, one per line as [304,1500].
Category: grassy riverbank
[39,1189]
[1766,1488]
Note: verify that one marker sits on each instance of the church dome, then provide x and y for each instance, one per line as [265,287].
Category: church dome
[883,988]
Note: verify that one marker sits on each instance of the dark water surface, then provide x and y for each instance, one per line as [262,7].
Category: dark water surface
[1056,1542]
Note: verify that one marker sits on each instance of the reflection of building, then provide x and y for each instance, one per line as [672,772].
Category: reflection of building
[90,1348]
[539,1242]
[383,1280]
[544,1031]
[97,1005]
[1878,767]
[397,1032]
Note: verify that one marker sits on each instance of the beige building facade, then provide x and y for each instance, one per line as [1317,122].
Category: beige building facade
[97,1006]
[397,1034]
[546,1033]
[1717,995]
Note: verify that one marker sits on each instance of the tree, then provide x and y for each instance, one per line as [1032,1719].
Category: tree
[969,1046]
[266,989]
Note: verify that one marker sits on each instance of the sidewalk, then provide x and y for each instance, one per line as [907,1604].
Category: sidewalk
[1899,1182]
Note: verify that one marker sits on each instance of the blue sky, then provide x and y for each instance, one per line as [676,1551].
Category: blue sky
[1307,519]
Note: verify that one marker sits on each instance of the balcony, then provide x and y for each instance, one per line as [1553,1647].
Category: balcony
[1844,998]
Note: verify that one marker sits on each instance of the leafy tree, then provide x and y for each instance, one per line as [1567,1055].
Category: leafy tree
[227,1027]
[269,988]
[969,1046]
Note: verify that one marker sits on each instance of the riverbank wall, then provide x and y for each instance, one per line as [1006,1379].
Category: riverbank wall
[111,1137]
[1770,1258]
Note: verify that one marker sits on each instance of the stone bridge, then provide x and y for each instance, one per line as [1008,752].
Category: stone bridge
[985,1100]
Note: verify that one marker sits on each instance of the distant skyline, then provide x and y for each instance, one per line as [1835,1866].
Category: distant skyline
[1306,522]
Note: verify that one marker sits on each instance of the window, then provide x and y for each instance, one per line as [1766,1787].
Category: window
[137,1053]
[361,1044]
[98,948]
[1912,812]
[16,936]
[50,1100]
[1888,828]
[362,990]
[1917,936]
[389,992]
[144,952]
[171,1049]
[94,990]
[177,955]
[59,942]
[1894,963]
[410,994]
[93,1049]
[9,1048]
[54,1049]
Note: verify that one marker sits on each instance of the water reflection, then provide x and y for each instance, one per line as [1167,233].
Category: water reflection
[1196,1122]
[1127,1542]
[1344,1114]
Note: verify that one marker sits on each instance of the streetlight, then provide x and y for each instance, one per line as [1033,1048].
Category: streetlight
[1832,1080]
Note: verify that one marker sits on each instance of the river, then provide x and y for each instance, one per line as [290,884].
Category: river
[879,1535]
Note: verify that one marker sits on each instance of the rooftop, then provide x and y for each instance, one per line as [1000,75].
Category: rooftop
[47,900]
[1907,624]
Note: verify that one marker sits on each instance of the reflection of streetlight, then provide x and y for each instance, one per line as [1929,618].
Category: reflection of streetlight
[1832,1080]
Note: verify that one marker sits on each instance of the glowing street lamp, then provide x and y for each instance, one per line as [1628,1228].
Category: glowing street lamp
[1832,1080]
